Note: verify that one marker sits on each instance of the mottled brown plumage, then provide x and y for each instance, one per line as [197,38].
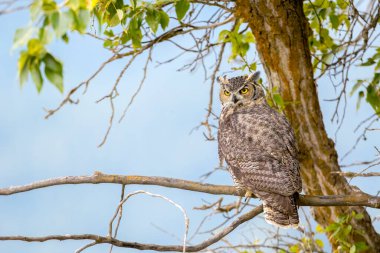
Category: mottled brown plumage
[259,147]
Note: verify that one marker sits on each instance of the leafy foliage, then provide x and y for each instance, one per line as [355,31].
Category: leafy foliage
[326,19]
[370,87]
[341,230]
[54,20]
[240,44]
[123,24]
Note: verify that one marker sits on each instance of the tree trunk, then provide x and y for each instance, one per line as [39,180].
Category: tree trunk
[281,31]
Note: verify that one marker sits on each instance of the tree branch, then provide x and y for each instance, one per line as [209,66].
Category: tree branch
[354,174]
[102,239]
[356,199]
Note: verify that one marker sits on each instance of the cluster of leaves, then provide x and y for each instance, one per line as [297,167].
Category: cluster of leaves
[305,244]
[132,17]
[239,41]
[275,99]
[53,20]
[326,18]
[341,230]
[371,88]
[59,20]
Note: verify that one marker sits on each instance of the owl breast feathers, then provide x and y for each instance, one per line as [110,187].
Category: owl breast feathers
[259,147]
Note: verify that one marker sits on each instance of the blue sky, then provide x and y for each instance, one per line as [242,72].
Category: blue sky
[154,139]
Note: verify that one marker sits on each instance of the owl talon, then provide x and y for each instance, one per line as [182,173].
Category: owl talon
[248,195]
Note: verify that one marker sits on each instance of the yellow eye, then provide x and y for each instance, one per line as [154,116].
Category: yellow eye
[227,93]
[244,91]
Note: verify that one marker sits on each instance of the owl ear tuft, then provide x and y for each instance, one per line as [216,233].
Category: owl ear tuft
[222,79]
[253,77]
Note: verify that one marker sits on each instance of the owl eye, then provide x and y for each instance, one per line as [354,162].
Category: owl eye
[244,91]
[227,93]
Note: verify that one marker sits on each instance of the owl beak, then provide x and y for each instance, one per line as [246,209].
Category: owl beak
[234,99]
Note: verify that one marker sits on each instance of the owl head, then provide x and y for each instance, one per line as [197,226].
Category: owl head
[240,90]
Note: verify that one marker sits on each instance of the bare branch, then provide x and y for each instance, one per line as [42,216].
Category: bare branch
[109,240]
[355,199]
[145,70]
[354,174]
[120,215]
[156,196]
[111,96]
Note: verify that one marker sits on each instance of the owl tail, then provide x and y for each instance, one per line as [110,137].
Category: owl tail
[281,210]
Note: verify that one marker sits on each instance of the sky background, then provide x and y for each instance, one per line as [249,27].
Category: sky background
[154,140]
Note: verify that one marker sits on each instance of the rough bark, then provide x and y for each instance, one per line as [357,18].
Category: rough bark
[281,31]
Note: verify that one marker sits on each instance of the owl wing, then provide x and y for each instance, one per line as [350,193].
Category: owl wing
[259,146]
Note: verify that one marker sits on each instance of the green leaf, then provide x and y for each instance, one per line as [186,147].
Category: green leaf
[109,33]
[369,62]
[55,78]
[124,38]
[82,20]
[120,14]
[334,21]
[361,246]
[278,101]
[181,7]
[321,3]
[53,71]
[134,3]
[253,66]
[45,35]
[54,19]
[134,32]
[224,36]
[249,37]
[359,216]
[136,39]
[74,4]
[294,248]
[360,97]
[319,229]
[49,6]
[65,38]
[36,48]
[114,21]
[332,227]
[21,37]
[342,4]
[52,63]
[35,9]
[62,22]
[23,66]
[153,19]
[373,98]
[343,18]
[36,75]
[164,19]
[326,38]
[376,79]
[356,86]
[319,243]
[347,230]
[107,43]
[353,249]
[377,67]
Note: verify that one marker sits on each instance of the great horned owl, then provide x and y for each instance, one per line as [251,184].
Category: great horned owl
[259,147]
